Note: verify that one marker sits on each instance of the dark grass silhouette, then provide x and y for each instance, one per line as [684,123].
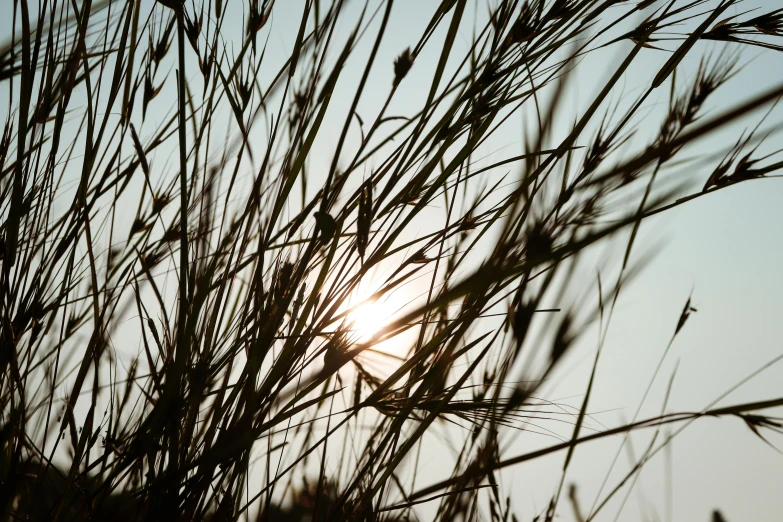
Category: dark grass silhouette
[43,490]
[159,197]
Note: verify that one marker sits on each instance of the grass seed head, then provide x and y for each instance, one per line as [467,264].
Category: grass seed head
[402,64]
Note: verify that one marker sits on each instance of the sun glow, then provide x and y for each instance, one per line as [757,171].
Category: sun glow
[368,319]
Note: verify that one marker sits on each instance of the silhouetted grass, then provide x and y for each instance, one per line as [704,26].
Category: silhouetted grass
[162,195]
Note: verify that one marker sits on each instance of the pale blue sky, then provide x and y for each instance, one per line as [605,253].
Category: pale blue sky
[725,248]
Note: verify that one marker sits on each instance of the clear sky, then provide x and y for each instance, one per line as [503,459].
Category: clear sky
[724,249]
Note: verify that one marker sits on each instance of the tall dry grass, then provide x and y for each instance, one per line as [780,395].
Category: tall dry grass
[160,198]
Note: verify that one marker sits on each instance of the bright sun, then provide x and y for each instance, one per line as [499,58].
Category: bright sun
[369,315]
[369,318]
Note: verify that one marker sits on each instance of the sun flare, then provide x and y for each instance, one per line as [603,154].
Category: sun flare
[369,316]
[368,319]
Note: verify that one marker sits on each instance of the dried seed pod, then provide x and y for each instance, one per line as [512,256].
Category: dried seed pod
[193,29]
[205,66]
[154,331]
[283,280]
[521,32]
[744,169]
[686,313]
[175,5]
[172,234]
[561,9]
[326,225]
[538,244]
[138,226]
[467,224]
[244,89]
[256,21]
[334,355]
[159,203]
[419,258]
[159,50]
[526,26]
[718,176]
[402,65]
[149,261]
[520,318]
[150,92]
[563,339]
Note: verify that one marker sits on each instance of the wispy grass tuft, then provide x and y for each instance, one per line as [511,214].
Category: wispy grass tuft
[197,230]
